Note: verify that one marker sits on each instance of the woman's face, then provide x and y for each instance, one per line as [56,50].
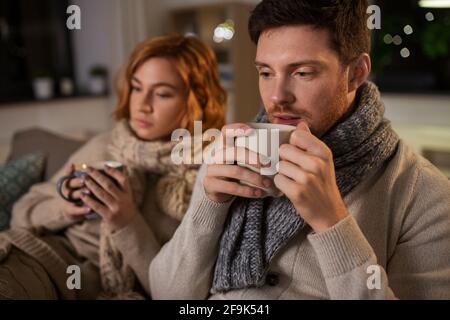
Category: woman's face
[158,99]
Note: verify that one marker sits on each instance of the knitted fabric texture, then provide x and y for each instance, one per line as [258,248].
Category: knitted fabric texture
[257,229]
[145,161]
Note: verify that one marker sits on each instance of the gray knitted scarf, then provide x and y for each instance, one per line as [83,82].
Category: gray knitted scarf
[257,229]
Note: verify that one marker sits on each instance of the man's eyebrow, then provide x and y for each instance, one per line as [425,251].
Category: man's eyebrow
[261,64]
[293,64]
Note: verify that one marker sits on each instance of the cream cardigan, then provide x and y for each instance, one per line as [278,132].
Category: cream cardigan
[399,223]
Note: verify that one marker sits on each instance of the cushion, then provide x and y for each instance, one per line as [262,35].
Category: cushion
[16,177]
[56,148]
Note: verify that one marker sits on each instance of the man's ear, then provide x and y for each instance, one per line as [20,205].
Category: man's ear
[359,71]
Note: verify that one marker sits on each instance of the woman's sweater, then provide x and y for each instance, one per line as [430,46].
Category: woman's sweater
[77,240]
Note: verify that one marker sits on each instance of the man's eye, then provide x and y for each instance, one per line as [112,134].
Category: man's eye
[303,74]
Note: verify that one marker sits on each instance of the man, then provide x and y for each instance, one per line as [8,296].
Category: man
[363,217]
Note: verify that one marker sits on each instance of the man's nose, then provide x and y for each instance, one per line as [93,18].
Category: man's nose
[282,94]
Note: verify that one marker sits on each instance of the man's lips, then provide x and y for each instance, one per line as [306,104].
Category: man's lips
[282,118]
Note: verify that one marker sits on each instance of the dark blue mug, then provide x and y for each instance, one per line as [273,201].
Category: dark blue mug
[81,171]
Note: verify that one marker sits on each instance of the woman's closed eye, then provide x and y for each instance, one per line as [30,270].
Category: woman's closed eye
[164,95]
[136,88]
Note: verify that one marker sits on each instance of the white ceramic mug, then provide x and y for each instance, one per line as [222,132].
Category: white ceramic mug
[266,141]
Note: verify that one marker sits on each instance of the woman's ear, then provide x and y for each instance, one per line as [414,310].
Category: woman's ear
[359,71]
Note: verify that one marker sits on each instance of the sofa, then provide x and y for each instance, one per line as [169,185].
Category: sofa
[36,154]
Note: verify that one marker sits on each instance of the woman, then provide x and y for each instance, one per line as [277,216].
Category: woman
[169,83]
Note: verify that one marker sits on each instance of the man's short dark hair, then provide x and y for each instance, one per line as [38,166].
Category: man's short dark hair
[346,21]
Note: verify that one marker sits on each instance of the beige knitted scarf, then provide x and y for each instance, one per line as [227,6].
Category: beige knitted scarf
[146,162]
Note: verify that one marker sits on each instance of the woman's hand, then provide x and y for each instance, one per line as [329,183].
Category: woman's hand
[73,189]
[118,207]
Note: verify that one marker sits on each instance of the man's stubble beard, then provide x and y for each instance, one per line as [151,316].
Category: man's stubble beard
[338,107]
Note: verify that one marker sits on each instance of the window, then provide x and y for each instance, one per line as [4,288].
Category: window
[411,52]
[34,41]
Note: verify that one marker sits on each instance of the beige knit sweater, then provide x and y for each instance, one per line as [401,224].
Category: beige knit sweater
[399,221]
[76,241]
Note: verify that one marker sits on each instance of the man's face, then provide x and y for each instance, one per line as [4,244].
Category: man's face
[301,77]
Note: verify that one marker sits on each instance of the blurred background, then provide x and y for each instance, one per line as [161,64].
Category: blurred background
[62,80]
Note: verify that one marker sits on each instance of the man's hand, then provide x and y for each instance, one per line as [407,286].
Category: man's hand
[222,180]
[307,177]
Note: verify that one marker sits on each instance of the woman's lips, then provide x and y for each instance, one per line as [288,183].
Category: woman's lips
[142,124]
